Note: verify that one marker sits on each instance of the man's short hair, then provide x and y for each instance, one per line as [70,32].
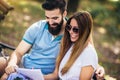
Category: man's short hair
[54,4]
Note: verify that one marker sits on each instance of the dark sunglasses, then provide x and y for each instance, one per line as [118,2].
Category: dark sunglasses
[74,29]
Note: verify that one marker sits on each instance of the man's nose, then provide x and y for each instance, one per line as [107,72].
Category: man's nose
[51,21]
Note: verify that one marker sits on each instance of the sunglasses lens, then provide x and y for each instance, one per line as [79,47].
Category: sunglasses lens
[69,27]
[76,30]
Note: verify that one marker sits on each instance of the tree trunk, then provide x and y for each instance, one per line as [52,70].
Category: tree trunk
[72,5]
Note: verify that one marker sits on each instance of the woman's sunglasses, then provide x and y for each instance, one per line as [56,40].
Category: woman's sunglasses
[74,29]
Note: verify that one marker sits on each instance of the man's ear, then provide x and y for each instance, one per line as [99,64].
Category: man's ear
[65,13]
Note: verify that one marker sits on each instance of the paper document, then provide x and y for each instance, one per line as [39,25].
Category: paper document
[34,74]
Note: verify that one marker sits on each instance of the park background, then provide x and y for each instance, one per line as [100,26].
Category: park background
[106,33]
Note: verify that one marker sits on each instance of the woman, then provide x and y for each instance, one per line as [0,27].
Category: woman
[78,58]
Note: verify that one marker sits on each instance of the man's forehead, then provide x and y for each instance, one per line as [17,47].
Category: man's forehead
[52,13]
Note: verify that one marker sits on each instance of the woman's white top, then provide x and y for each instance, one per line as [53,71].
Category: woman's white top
[87,57]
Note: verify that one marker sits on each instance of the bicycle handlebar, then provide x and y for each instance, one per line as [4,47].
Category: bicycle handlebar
[4,45]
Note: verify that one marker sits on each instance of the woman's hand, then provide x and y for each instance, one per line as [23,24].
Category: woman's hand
[4,77]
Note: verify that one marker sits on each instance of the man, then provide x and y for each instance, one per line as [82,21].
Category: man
[42,39]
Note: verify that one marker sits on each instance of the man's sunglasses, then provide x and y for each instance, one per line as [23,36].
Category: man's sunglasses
[74,29]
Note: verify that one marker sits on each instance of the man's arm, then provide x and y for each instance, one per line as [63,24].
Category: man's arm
[16,56]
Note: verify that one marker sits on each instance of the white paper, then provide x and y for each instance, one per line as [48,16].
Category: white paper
[34,74]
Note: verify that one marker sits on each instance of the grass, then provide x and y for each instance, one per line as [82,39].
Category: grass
[18,20]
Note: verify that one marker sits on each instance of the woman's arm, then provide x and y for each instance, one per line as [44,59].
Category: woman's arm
[52,76]
[86,73]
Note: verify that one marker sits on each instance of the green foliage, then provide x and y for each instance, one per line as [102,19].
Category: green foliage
[107,15]
[17,21]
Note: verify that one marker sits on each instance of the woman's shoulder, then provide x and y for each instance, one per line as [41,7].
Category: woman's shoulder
[89,50]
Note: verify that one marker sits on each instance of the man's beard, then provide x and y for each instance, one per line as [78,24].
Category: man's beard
[55,30]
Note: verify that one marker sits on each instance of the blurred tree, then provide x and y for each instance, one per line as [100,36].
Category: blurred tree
[117,11]
[72,5]
[40,0]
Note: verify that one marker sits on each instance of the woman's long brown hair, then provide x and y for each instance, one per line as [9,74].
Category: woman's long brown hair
[85,23]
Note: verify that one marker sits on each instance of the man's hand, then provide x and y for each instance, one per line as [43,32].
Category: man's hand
[10,69]
[100,72]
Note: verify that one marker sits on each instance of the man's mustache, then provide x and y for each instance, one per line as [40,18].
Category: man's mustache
[54,24]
